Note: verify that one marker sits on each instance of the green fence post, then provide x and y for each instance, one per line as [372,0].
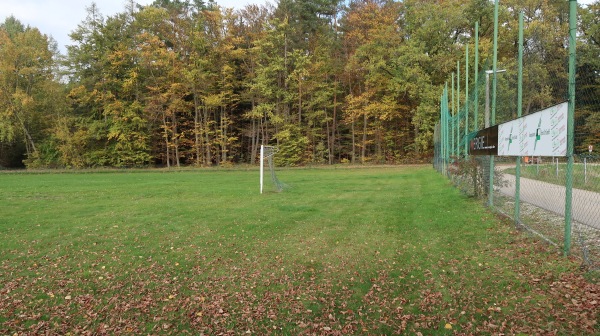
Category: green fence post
[443,139]
[495,65]
[448,122]
[494,82]
[458,109]
[445,133]
[454,114]
[476,98]
[570,123]
[437,133]
[466,101]
[442,136]
[519,114]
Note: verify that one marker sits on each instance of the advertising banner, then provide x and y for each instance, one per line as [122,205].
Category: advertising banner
[543,133]
[484,142]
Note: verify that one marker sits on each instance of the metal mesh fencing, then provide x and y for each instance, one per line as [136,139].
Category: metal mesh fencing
[544,83]
[531,190]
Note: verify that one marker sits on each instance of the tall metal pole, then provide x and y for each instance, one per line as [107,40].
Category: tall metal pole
[441,145]
[442,136]
[495,64]
[447,114]
[570,123]
[454,113]
[466,101]
[487,100]
[458,108]
[493,121]
[487,121]
[519,114]
[476,98]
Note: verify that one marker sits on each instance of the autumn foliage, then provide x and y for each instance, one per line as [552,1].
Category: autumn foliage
[191,83]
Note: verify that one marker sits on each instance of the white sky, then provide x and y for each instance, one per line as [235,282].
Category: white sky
[59,17]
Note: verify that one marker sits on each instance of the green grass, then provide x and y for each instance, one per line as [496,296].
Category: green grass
[350,251]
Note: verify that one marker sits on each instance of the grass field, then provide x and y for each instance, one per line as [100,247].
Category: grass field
[342,251]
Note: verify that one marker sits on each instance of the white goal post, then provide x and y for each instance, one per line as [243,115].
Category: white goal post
[266,154]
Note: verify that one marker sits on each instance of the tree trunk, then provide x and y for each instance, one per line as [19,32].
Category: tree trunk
[254,135]
[379,140]
[223,135]
[299,100]
[28,139]
[333,126]
[166,134]
[417,146]
[363,150]
[353,143]
[176,141]
[197,142]
[207,147]
[328,142]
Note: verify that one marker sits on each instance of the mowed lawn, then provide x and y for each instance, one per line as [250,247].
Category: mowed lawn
[370,251]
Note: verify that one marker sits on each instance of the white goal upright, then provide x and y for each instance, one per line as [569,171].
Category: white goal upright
[267,154]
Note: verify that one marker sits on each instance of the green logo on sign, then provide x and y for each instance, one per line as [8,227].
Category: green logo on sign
[538,136]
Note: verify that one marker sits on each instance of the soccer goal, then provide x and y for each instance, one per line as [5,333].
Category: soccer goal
[267,154]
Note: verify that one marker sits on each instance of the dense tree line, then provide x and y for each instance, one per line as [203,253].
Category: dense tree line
[183,82]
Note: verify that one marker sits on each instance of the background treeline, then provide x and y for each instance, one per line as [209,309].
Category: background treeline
[185,82]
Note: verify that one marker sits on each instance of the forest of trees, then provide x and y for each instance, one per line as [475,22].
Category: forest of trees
[187,82]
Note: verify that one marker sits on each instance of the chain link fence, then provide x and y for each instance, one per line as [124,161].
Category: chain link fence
[530,190]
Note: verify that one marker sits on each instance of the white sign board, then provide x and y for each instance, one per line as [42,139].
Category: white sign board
[543,133]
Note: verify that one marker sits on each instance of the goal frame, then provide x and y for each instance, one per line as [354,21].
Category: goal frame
[266,156]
